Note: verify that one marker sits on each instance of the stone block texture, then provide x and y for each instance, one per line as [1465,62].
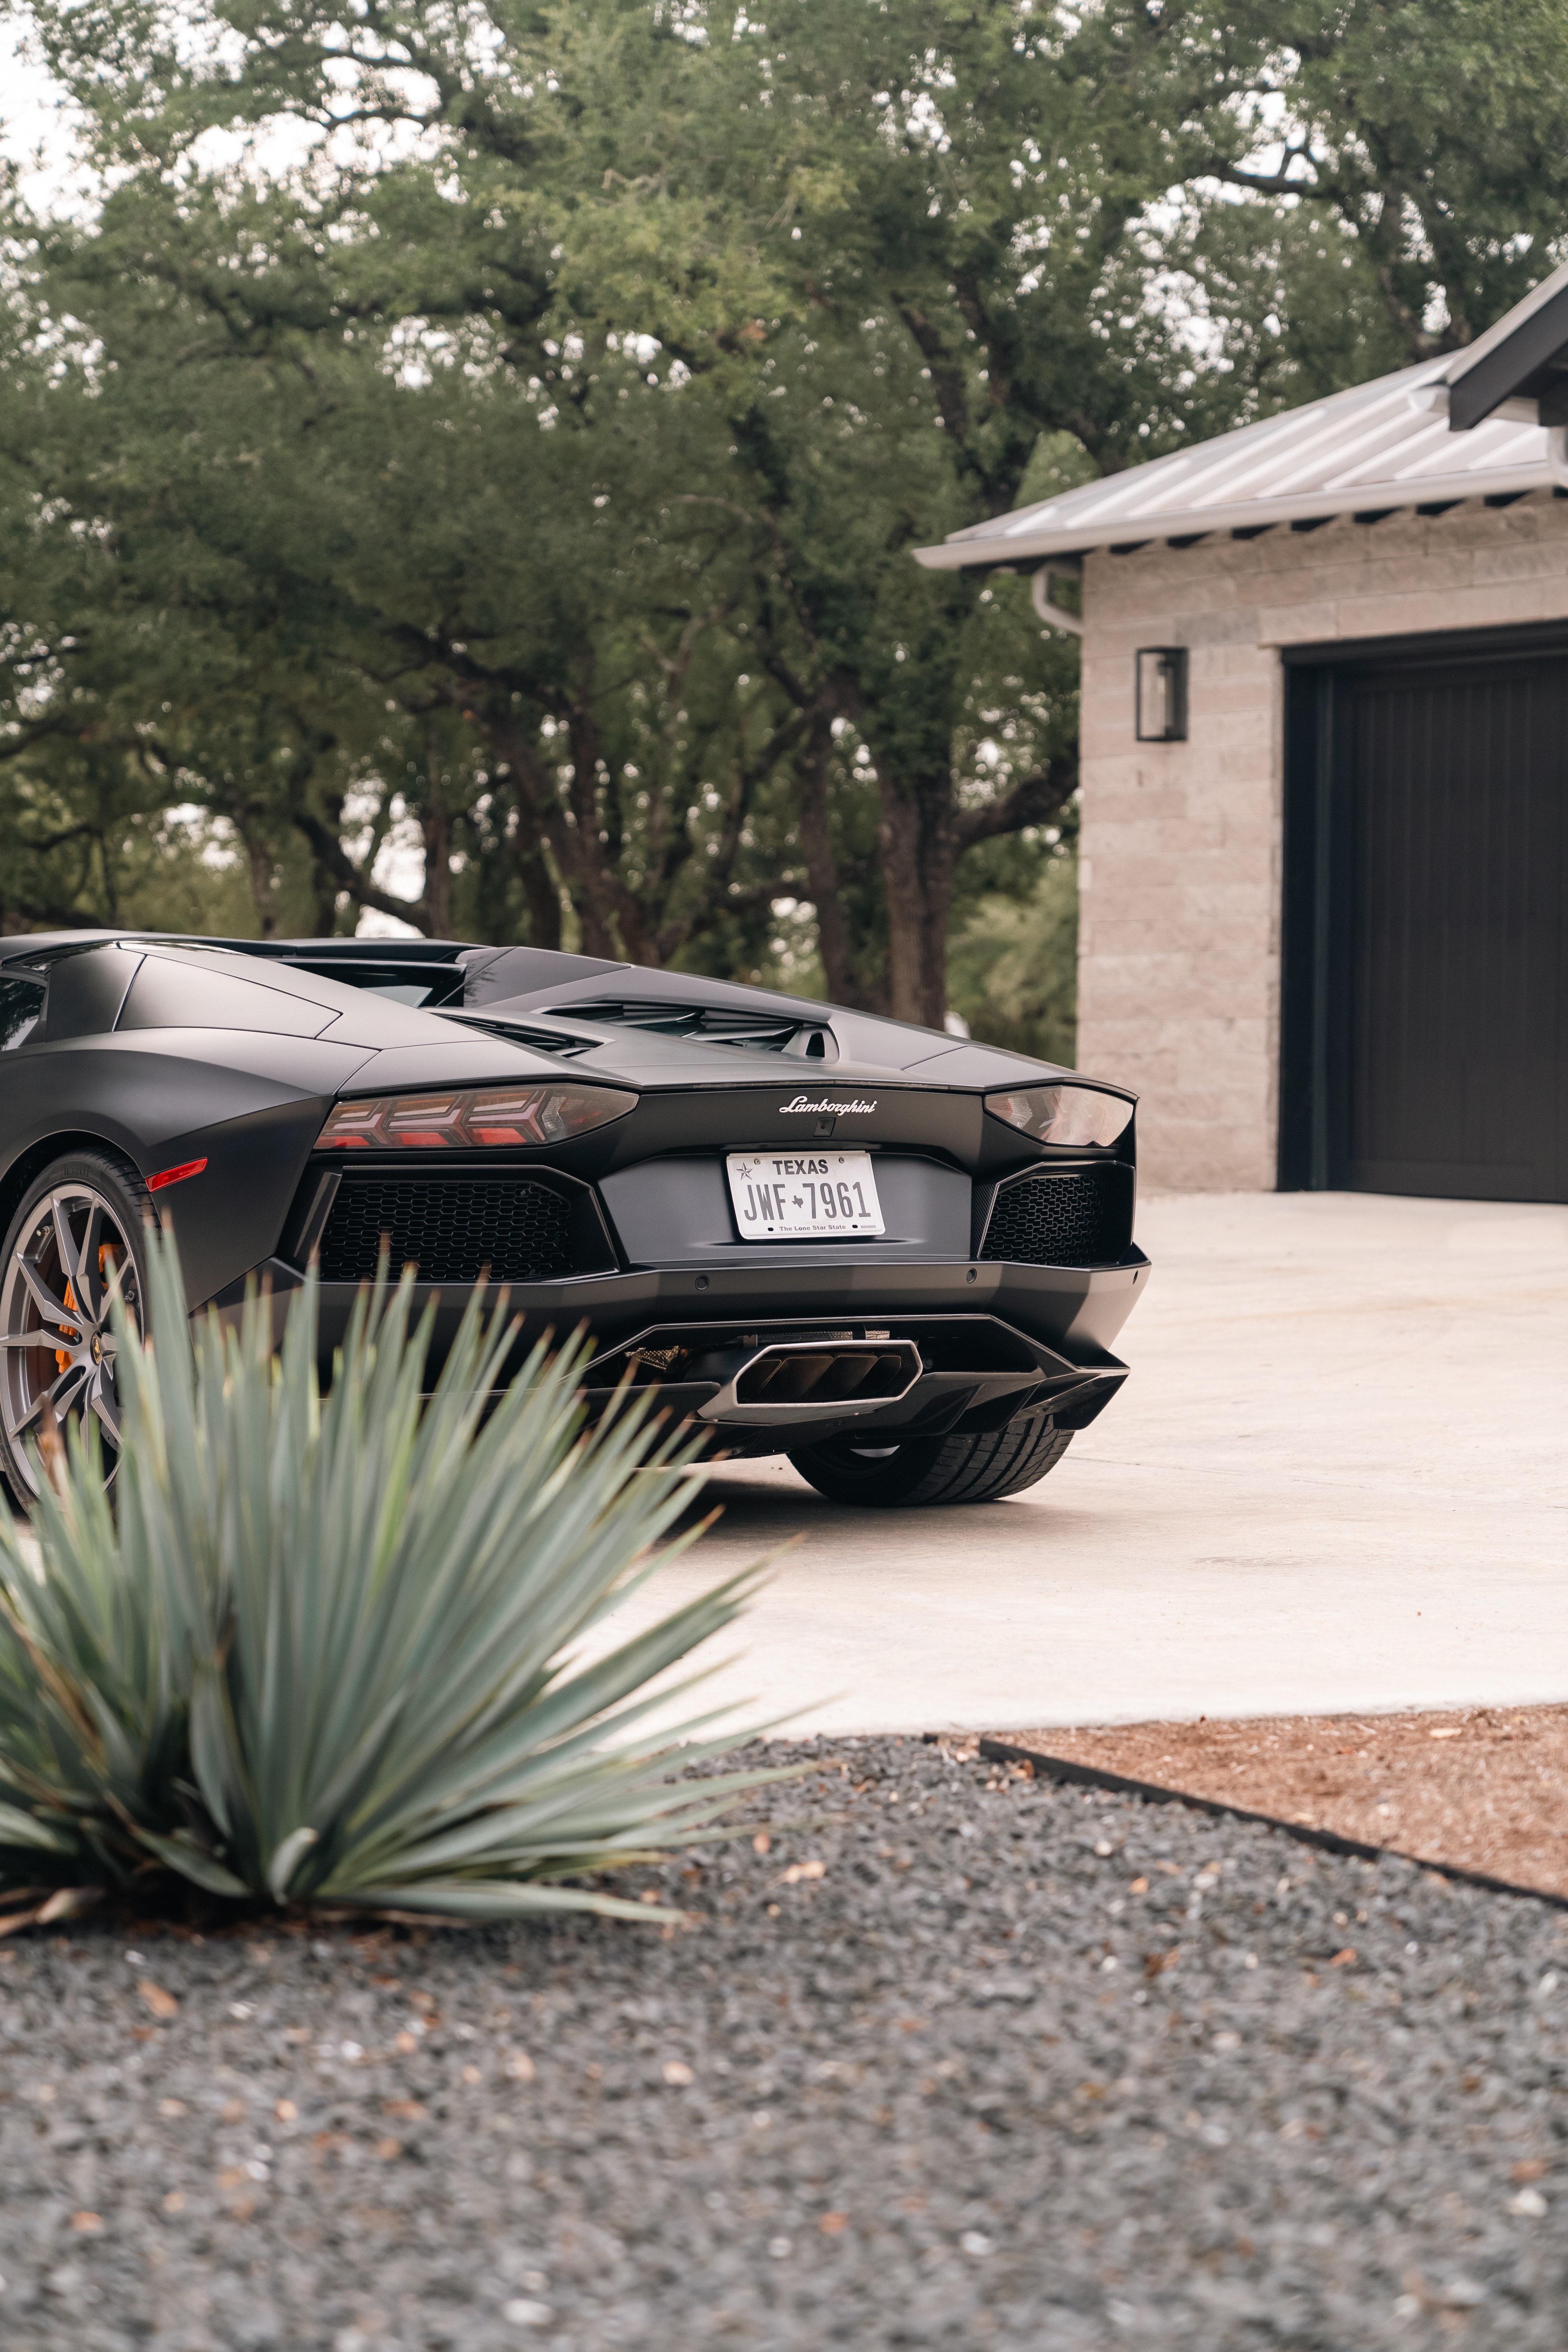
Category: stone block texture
[1181,854]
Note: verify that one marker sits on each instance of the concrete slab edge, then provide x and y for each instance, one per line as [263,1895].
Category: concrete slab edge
[1090,1776]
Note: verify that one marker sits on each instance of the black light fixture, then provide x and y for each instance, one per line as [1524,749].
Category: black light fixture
[1162,694]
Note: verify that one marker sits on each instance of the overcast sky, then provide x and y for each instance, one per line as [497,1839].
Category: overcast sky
[34,127]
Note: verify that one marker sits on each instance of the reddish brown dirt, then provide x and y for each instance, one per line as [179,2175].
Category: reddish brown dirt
[1485,1788]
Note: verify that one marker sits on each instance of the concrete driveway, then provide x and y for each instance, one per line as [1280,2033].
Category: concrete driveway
[1338,1478]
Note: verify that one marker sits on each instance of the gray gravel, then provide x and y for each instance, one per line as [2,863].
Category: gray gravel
[924,2075]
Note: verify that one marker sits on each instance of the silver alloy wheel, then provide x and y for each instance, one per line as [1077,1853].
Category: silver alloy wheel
[56,1340]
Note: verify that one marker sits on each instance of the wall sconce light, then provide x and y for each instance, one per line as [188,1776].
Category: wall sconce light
[1162,694]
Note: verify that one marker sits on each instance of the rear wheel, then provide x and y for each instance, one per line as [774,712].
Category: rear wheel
[77,1233]
[975,1469]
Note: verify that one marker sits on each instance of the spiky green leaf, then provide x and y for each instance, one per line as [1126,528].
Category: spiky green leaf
[332,1646]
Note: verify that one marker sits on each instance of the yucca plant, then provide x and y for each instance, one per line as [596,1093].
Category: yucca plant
[347,1649]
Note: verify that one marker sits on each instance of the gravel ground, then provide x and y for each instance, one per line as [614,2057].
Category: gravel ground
[958,2060]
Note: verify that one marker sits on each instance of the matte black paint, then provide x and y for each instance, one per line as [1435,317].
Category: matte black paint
[1076,1311]
[234,1051]
[161,997]
[85,991]
[668,1210]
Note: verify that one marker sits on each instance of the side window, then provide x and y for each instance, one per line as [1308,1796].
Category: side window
[21,1008]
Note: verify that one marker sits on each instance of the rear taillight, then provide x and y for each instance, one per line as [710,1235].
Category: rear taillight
[472,1119]
[1069,1115]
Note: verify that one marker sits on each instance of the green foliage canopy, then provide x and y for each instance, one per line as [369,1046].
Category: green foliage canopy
[504,431]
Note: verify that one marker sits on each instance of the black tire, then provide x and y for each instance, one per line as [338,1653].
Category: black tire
[50,1351]
[977,1469]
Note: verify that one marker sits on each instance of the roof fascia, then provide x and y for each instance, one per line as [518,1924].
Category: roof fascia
[1501,365]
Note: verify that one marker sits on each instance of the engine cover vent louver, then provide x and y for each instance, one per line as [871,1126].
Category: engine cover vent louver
[1080,1216]
[706,1024]
[452,1227]
[519,1031]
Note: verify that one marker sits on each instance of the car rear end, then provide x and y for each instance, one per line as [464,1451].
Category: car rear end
[780,1262]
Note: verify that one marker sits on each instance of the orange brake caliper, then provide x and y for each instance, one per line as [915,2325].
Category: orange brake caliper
[62,1354]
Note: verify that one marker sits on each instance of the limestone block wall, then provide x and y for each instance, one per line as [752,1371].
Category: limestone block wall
[1181,851]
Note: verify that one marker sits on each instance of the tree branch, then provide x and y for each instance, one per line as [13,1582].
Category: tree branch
[1033,800]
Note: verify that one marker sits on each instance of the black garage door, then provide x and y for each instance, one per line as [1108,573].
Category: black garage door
[1425,1012]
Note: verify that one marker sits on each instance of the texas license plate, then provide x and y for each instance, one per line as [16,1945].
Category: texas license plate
[803,1195]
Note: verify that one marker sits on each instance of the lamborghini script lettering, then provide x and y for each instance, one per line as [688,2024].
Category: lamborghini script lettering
[800,1102]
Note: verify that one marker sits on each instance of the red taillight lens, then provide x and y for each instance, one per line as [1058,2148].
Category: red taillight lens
[1069,1115]
[470,1118]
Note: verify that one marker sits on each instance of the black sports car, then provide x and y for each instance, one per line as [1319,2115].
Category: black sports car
[898,1257]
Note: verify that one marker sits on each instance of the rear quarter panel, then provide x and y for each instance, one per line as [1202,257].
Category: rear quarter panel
[250,1106]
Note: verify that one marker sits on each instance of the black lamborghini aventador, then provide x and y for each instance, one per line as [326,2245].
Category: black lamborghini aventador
[898,1257]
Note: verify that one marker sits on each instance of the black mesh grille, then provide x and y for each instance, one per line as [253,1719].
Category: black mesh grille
[451,1227]
[1083,1217]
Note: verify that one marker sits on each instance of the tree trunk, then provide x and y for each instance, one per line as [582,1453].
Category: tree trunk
[324,885]
[541,818]
[618,914]
[262,868]
[435,827]
[918,839]
[923,836]
[540,895]
[833,938]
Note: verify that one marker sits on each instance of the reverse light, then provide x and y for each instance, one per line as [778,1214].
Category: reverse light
[471,1119]
[1070,1114]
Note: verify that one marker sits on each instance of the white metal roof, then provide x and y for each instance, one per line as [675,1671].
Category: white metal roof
[1379,445]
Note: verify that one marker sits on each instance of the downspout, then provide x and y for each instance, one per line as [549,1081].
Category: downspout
[1042,586]
[1557,454]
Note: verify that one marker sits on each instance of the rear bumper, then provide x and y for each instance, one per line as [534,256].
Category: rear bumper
[993,1341]
[950,1372]
[1076,1312]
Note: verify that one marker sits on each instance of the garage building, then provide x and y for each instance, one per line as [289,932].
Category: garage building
[1324,856]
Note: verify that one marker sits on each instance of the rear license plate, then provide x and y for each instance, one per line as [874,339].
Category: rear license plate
[803,1195]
